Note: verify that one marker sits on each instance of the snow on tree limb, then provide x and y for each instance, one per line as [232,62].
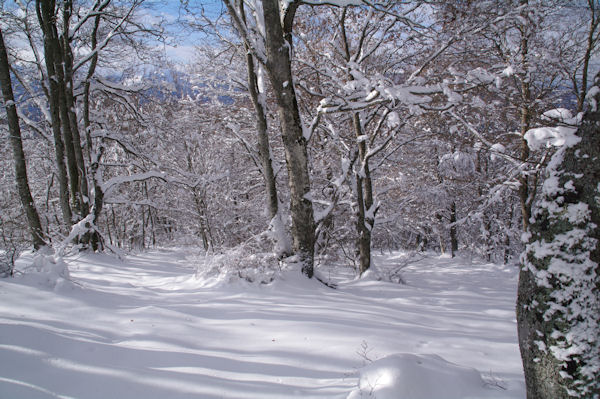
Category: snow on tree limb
[115,181]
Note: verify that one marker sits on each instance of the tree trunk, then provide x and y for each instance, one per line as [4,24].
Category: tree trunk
[442,241]
[199,203]
[33,219]
[524,186]
[453,233]
[363,228]
[45,14]
[280,237]
[264,148]
[98,194]
[93,158]
[278,65]
[54,50]
[66,127]
[364,191]
[364,187]
[82,188]
[588,55]
[558,304]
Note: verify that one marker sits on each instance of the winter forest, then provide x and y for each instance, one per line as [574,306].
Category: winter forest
[349,172]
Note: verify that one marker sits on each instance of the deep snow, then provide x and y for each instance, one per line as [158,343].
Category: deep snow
[147,327]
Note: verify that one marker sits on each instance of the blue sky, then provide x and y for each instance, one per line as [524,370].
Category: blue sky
[182,49]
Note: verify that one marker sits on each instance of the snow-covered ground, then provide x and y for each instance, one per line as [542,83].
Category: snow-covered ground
[147,327]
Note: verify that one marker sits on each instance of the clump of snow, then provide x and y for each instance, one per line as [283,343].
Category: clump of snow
[480,75]
[453,97]
[508,71]
[393,120]
[371,274]
[591,97]
[551,136]
[279,235]
[457,165]
[559,114]
[46,271]
[477,102]
[409,376]
[496,149]
[557,136]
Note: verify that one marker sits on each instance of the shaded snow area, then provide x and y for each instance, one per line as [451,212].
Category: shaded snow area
[148,327]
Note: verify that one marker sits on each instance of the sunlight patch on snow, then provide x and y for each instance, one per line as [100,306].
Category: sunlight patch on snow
[409,376]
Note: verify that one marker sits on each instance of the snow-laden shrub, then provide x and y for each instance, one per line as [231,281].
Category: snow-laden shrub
[250,262]
[47,271]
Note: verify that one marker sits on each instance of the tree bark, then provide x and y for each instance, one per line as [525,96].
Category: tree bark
[82,187]
[558,304]
[525,188]
[93,160]
[590,44]
[264,148]
[364,186]
[45,14]
[280,238]
[65,121]
[453,232]
[33,219]
[278,65]
[200,204]
[364,199]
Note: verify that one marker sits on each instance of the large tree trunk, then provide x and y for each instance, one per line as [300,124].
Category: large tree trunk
[590,45]
[33,219]
[365,214]
[264,148]
[282,245]
[45,14]
[278,65]
[65,121]
[558,304]
[93,157]
[453,232]
[57,51]
[364,200]
[82,187]
[527,184]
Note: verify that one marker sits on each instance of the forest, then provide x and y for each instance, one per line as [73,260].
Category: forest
[297,134]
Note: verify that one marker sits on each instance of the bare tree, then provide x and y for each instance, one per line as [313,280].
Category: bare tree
[279,68]
[46,16]
[35,226]
[277,62]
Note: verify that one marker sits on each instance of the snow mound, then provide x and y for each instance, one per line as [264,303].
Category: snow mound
[46,271]
[409,376]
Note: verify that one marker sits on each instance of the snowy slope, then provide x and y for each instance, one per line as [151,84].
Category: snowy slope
[146,327]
